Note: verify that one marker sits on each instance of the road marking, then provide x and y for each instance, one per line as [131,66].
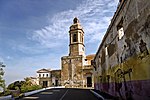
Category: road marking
[64,95]
[98,95]
[56,90]
[31,98]
[46,93]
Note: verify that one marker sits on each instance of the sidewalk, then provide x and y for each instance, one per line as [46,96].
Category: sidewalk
[103,96]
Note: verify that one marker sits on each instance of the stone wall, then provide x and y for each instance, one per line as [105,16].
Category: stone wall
[71,74]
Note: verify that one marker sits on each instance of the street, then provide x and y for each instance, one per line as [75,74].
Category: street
[62,94]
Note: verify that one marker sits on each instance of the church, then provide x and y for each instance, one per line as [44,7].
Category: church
[76,71]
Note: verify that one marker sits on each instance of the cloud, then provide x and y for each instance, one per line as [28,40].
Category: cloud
[9,58]
[94,15]
[1,59]
[28,49]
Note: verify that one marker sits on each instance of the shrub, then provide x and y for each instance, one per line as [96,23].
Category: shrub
[7,92]
[26,88]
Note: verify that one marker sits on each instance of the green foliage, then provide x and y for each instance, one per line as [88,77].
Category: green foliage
[2,81]
[11,86]
[7,92]
[23,86]
[26,88]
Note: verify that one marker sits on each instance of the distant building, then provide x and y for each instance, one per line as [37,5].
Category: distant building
[34,80]
[122,62]
[47,77]
[76,67]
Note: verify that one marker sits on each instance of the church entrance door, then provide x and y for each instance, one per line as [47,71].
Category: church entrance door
[89,82]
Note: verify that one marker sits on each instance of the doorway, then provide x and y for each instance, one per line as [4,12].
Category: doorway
[89,82]
[45,84]
[56,82]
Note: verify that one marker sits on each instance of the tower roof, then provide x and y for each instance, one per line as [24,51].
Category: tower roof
[76,25]
[75,20]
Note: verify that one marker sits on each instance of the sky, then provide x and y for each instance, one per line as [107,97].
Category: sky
[34,33]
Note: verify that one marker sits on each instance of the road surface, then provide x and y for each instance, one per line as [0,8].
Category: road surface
[62,94]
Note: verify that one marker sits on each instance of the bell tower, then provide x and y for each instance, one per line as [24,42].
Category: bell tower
[76,33]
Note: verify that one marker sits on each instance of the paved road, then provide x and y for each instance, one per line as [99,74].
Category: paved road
[62,94]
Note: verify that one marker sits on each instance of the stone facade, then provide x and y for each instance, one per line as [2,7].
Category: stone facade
[47,77]
[71,74]
[122,62]
[56,77]
[74,71]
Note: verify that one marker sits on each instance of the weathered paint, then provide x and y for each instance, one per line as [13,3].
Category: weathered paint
[122,64]
[130,79]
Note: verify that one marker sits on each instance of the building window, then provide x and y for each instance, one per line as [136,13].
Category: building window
[39,75]
[120,33]
[43,75]
[81,37]
[103,57]
[106,50]
[47,75]
[74,37]
[85,59]
[111,49]
[120,30]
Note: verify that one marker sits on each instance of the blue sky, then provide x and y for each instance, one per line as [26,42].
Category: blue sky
[34,33]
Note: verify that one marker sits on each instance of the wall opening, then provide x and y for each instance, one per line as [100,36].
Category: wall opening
[45,84]
[56,82]
[89,82]
[120,29]
[74,37]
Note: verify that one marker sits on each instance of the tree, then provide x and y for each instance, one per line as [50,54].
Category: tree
[2,81]
[28,81]
[23,86]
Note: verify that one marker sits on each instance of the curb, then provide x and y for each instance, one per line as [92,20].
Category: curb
[5,97]
[97,95]
[28,93]
[36,91]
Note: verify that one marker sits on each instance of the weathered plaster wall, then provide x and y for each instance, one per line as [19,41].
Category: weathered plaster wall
[125,71]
